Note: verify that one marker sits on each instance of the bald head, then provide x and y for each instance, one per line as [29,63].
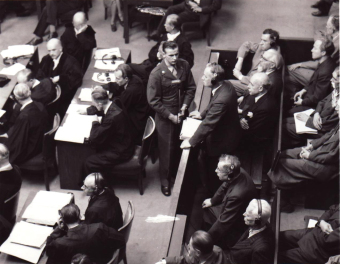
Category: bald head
[94,183]
[25,76]
[22,91]
[271,60]
[79,20]
[259,83]
[54,48]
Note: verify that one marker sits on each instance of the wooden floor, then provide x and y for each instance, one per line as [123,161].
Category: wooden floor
[237,21]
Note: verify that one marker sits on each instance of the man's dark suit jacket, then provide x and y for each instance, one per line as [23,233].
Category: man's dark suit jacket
[133,99]
[113,134]
[220,127]
[275,90]
[319,85]
[258,249]
[208,7]
[79,46]
[44,92]
[184,50]
[105,208]
[25,137]
[69,70]
[235,198]
[95,240]
[264,115]
[10,183]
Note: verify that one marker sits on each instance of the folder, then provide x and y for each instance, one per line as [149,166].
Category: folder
[189,127]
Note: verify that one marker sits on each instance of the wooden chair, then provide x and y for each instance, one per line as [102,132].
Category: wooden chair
[194,26]
[53,106]
[136,165]
[46,159]
[115,257]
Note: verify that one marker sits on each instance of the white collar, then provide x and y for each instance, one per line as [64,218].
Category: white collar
[25,104]
[82,29]
[172,37]
[215,90]
[107,107]
[36,82]
[7,167]
[56,61]
[253,232]
[259,96]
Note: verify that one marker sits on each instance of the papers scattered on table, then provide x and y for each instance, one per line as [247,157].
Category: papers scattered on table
[17,51]
[161,219]
[85,95]
[12,70]
[106,53]
[312,223]
[30,234]
[301,127]
[74,108]
[107,64]
[44,207]
[103,77]
[189,128]
[2,112]
[76,128]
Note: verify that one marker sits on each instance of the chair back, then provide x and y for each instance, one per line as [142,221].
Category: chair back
[10,205]
[115,257]
[58,94]
[127,223]
[49,143]
[147,140]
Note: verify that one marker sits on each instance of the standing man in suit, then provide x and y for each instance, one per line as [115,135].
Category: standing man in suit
[269,40]
[79,40]
[257,110]
[190,11]
[104,206]
[70,237]
[62,69]
[319,85]
[220,129]
[312,245]
[111,137]
[223,212]
[24,139]
[171,88]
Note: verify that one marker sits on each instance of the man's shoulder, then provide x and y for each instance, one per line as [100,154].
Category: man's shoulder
[158,70]
[327,66]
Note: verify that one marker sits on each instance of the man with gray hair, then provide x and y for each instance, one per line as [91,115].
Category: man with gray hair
[223,212]
[24,139]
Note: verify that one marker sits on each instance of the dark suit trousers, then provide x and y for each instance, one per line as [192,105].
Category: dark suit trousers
[207,166]
[184,13]
[290,252]
[168,148]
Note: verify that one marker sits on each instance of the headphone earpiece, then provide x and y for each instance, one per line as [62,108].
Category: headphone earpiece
[258,220]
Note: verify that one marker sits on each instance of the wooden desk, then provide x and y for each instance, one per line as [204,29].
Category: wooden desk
[71,156]
[127,3]
[31,63]
[8,259]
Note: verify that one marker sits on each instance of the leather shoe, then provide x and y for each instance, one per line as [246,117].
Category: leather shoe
[35,41]
[52,35]
[166,190]
[318,14]
[121,22]
[316,5]
[113,28]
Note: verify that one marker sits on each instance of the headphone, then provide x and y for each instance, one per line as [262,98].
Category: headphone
[96,183]
[258,220]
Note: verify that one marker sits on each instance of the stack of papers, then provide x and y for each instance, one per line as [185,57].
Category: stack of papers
[17,51]
[312,223]
[103,78]
[107,64]
[2,112]
[45,206]
[12,70]
[107,53]
[85,95]
[301,127]
[74,108]
[189,127]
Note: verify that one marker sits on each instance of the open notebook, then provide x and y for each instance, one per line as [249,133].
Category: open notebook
[189,128]
[45,206]
[301,127]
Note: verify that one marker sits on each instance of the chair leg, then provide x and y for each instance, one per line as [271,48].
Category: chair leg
[140,182]
[90,3]
[208,37]
[47,184]
[105,13]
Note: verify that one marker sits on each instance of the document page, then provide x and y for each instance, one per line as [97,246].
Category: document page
[12,70]
[189,127]
[300,126]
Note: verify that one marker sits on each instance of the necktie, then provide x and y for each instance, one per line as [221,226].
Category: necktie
[174,72]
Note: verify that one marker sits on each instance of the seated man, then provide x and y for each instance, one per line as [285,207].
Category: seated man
[258,110]
[62,69]
[190,11]
[312,245]
[112,137]
[269,40]
[51,12]
[223,212]
[323,119]
[270,64]
[319,85]
[24,139]
[172,26]
[70,237]
[79,40]
[103,205]
[132,94]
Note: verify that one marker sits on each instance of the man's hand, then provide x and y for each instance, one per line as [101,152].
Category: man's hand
[182,113]
[4,135]
[304,154]
[317,121]
[55,79]
[326,227]
[175,119]
[197,9]
[309,147]
[302,117]
[195,115]
[293,67]
[82,112]
[206,203]
[244,123]
[239,111]
[299,95]
[298,101]
[237,73]
[185,144]
[240,100]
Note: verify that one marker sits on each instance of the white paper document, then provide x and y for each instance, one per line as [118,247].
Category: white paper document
[106,53]
[103,77]
[301,127]
[2,112]
[44,207]
[30,234]
[189,127]
[17,51]
[85,95]
[74,108]
[12,70]
[107,64]
[312,223]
